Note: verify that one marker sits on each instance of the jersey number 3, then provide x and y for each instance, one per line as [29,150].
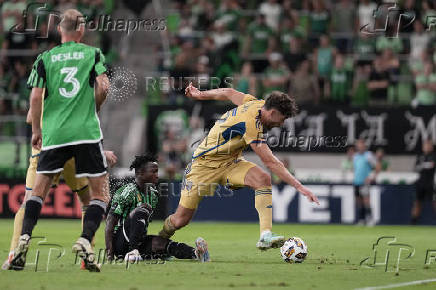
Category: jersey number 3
[69,78]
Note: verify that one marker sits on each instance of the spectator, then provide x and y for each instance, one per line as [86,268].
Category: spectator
[343,24]
[364,49]
[272,11]
[229,14]
[381,163]
[221,37]
[288,33]
[18,85]
[246,82]
[347,163]
[360,90]
[425,166]
[427,11]
[276,74]
[295,55]
[259,36]
[426,86]
[417,65]
[14,42]
[323,61]
[363,164]
[409,12]
[418,40]
[338,88]
[393,43]
[378,83]
[12,12]
[304,85]
[319,21]
[365,12]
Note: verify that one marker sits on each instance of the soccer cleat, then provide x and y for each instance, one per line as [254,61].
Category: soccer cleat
[270,240]
[133,256]
[7,264]
[201,250]
[19,259]
[83,249]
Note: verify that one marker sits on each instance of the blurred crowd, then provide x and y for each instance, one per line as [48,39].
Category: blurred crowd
[19,48]
[322,51]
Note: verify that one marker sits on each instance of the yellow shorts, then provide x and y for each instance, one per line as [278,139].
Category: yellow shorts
[201,180]
[76,184]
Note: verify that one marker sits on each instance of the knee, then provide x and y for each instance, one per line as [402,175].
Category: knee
[263,180]
[140,213]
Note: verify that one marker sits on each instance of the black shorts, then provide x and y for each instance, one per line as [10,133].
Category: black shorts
[425,191]
[361,190]
[89,159]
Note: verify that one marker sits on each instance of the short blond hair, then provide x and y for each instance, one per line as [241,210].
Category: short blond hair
[71,20]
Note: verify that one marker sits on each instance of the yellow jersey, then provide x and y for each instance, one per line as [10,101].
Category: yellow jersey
[231,133]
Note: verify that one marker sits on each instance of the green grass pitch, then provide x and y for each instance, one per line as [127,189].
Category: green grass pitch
[335,253]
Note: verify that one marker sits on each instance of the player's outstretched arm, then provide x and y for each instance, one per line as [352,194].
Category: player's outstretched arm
[277,167]
[223,94]
[36,97]
[111,222]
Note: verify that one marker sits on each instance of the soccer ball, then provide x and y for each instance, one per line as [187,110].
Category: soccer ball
[294,250]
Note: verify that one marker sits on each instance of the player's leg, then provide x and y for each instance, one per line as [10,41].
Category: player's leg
[359,204]
[31,215]
[19,215]
[91,162]
[157,247]
[417,205]
[198,181]
[249,174]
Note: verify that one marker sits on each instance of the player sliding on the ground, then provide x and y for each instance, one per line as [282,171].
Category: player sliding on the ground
[70,79]
[218,159]
[129,215]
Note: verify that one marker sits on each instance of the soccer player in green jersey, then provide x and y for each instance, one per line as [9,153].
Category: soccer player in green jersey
[70,80]
[127,221]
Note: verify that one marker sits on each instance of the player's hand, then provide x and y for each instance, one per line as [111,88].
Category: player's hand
[37,140]
[192,92]
[111,158]
[307,193]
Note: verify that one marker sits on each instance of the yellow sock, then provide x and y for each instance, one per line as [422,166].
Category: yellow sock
[263,204]
[168,229]
[18,225]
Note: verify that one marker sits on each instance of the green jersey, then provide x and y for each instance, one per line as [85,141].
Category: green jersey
[68,72]
[128,197]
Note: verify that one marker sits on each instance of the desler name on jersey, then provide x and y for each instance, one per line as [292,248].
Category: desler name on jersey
[67,56]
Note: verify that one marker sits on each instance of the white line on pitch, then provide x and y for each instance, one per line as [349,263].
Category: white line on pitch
[418,282]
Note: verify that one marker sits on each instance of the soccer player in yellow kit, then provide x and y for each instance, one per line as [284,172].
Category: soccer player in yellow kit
[218,159]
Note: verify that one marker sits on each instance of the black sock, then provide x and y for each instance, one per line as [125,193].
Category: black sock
[33,209]
[368,212]
[92,219]
[361,213]
[138,224]
[181,250]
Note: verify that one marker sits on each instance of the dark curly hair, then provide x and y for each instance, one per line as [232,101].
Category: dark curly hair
[142,160]
[282,102]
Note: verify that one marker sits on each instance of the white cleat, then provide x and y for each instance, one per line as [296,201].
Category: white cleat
[201,250]
[18,260]
[7,263]
[133,256]
[84,250]
[269,240]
